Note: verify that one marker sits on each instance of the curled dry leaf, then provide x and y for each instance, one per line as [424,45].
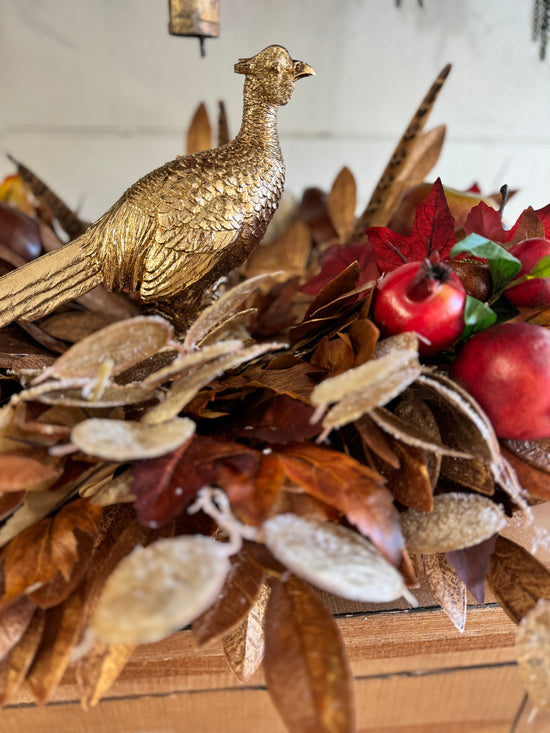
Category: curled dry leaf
[447,587]
[305,665]
[458,520]
[334,558]
[159,589]
[244,646]
[533,654]
[119,440]
[125,343]
[184,389]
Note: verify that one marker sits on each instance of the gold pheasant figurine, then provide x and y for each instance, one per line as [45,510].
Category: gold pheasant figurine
[179,228]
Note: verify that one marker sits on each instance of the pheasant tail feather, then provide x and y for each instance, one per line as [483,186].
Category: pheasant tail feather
[37,288]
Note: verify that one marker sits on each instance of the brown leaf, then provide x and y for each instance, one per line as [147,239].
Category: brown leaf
[373,439]
[14,668]
[256,499]
[244,646]
[50,546]
[354,489]
[458,520]
[10,502]
[471,564]
[23,473]
[199,134]
[62,630]
[410,483]
[364,337]
[305,664]
[238,595]
[335,355]
[447,587]
[534,452]
[532,479]
[341,203]
[73,326]
[13,623]
[517,579]
[290,253]
[98,670]
[223,128]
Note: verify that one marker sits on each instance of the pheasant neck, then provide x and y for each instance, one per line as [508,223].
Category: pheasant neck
[259,125]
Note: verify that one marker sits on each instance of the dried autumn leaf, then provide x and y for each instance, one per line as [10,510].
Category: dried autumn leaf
[191,360]
[341,203]
[13,623]
[124,440]
[447,587]
[23,473]
[410,483]
[534,452]
[125,343]
[457,521]
[73,326]
[240,590]
[334,558]
[289,253]
[199,134]
[37,554]
[533,480]
[244,646]
[471,564]
[305,665]
[14,668]
[342,482]
[99,669]
[111,396]
[517,579]
[533,654]
[159,589]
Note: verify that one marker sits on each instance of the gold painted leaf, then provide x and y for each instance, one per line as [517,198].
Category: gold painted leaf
[533,654]
[244,646]
[159,589]
[334,558]
[125,440]
[199,134]
[99,669]
[458,520]
[305,664]
[517,579]
[447,587]
[341,203]
[238,595]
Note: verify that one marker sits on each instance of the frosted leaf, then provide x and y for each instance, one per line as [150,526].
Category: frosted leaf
[457,521]
[159,589]
[533,654]
[124,440]
[334,558]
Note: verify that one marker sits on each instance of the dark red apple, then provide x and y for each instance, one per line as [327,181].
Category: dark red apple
[422,297]
[532,293]
[506,368]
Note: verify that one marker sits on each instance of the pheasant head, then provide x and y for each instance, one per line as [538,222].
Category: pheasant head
[273,71]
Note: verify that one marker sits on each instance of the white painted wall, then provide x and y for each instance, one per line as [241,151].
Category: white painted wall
[95,93]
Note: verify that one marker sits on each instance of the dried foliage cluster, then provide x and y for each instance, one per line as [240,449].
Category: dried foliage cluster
[150,480]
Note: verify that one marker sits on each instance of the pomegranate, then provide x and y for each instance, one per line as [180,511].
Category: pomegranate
[506,368]
[424,297]
[536,292]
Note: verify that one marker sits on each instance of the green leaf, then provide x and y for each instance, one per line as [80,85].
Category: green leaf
[477,316]
[541,269]
[503,265]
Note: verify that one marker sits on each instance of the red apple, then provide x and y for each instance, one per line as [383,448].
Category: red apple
[422,297]
[532,293]
[506,368]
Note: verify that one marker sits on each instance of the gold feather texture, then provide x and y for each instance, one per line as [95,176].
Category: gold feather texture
[179,228]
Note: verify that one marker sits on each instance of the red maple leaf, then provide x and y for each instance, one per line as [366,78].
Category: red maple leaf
[433,231]
[544,217]
[486,222]
[336,258]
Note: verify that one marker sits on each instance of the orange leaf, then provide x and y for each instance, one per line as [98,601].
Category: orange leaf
[305,664]
[37,554]
[357,491]
[22,473]
[99,669]
[199,135]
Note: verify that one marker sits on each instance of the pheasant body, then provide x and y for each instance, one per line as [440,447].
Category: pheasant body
[175,231]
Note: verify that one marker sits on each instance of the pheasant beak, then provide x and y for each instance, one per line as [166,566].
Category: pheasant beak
[301,69]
